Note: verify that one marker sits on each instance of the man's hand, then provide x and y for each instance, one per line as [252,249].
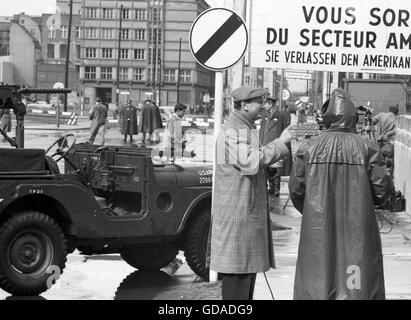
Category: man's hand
[277,165]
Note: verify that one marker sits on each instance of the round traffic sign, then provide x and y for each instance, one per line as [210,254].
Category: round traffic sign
[286,94]
[218,38]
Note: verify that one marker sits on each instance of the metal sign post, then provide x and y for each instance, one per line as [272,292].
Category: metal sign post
[218,41]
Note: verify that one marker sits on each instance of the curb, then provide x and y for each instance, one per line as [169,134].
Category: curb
[58,129]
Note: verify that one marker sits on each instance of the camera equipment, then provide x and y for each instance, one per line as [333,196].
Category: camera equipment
[367,128]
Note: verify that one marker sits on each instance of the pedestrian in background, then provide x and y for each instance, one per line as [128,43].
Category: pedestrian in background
[273,122]
[150,121]
[98,117]
[384,126]
[241,234]
[337,178]
[174,131]
[129,121]
[5,120]
[301,109]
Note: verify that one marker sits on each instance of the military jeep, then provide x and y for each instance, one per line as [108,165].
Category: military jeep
[109,199]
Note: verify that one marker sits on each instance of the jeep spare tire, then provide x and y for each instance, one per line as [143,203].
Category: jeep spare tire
[148,257]
[32,253]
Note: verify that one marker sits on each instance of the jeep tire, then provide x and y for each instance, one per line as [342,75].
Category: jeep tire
[196,242]
[148,256]
[32,253]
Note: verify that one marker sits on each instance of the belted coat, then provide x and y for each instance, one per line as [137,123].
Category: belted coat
[241,234]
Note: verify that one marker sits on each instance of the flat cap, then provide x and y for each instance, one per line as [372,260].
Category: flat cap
[246,93]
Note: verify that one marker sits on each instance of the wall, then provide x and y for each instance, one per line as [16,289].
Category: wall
[24,60]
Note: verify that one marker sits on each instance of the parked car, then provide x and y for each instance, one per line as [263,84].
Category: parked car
[40,105]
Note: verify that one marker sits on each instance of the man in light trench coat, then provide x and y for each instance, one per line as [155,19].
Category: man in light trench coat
[241,236]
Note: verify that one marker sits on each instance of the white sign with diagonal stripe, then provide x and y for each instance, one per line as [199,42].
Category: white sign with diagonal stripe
[218,39]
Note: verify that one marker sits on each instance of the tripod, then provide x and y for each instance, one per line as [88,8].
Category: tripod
[368,130]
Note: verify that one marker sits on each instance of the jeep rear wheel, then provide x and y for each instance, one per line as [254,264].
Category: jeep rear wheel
[148,257]
[32,253]
[196,241]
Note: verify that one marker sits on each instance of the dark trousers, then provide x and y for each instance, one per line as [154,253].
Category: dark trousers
[238,286]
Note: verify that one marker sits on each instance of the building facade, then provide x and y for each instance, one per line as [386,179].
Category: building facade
[144,54]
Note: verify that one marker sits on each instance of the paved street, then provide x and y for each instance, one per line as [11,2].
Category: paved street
[108,277]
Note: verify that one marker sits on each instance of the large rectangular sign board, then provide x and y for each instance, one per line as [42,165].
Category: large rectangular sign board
[331,35]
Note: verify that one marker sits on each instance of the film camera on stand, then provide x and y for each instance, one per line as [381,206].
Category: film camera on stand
[365,127]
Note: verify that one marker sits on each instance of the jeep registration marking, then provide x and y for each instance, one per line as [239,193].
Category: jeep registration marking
[36,191]
[205,180]
[205,172]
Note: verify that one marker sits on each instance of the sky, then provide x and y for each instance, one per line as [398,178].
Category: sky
[37,7]
[30,7]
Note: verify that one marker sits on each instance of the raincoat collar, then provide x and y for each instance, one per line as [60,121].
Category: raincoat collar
[236,114]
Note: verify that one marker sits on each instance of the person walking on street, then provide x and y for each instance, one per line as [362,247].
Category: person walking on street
[241,234]
[129,121]
[273,122]
[150,120]
[5,120]
[337,178]
[98,117]
[174,131]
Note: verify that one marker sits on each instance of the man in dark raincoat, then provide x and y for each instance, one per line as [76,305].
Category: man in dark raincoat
[98,117]
[337,178]
[273,122]
[128,115]
[150,120]
[241,234]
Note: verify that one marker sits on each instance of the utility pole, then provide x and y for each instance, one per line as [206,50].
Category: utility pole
[68,54]
[178,71]
[118,57]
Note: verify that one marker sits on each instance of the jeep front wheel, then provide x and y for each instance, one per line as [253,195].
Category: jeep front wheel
[196,242]
[32,253]
[148,256]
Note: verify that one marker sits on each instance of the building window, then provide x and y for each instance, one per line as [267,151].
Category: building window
[139,54]
[124,53]
[150,73]
[106,33]
[156,15]
[50,51]
[169,75]
[107,13]
[125,14]
[64,32]
[139,34]
[78,32]
[123,73]
[154,35]
[63,51]
[90,72]
[91,53]
[90,13]
[78,51]
[185,76]
[106,73]
[125,34]
[107,53]
[138,74]
[90,33]
[151,58]
[141,14]
[52,32]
